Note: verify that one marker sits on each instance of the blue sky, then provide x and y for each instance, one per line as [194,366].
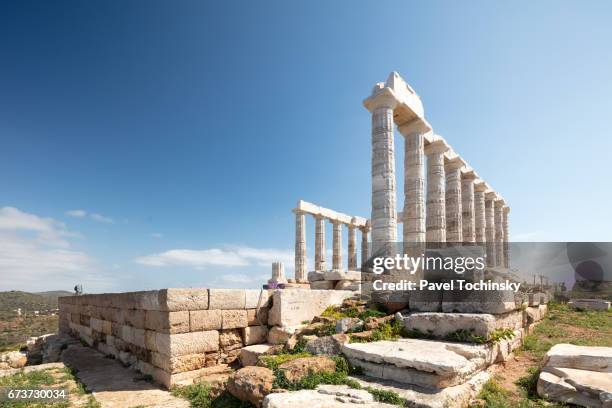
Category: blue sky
[194,127]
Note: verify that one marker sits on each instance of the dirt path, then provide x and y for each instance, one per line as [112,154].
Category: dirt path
[115,386]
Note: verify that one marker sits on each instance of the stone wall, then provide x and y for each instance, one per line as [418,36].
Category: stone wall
[171,334]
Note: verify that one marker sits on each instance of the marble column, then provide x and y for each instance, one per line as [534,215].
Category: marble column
[454,232]
[352,248]
[436,192]
[490,227]
[414,187]
[300,246]
[337,246]
[468,220]
[278,273]
[320,264]
[506,238]
[365,248]
[499,232]
[384,200]
[480,222]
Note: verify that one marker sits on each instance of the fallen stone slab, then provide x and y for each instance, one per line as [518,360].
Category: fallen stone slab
[580,387]
[590,304]
[441,325]
[489,301]
[324,396]
[250,354]
[453,396]
[433,364]
[291,307]
[113,385]
[579,357]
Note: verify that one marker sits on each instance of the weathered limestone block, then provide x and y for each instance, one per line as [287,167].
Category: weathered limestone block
[254,335]
[133,335]
[580,357]
[442,324]
[590,304]
[230,339]
[178,364]
[280,335]
[168,322]
[535,314]
[316,276]
[580,387]
[251,384]
[347,398]
[227,299]
[323,285]
[490,301]
[327,345]
[348,285]
[252,298]
[336,275]
[173,299]
[182,343]
[101,326]
[291,307]
[200,320]
[234,319]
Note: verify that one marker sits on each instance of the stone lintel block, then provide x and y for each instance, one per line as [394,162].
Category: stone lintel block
[254,335]
[291,307]
[178,364]
[200,320]
[337,275]
[182,343]
[227,299]
[167,322]
[234,319]
[252,298]
[174,299]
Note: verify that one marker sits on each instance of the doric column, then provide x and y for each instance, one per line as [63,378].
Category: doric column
[352,248]
[320,264]
[468,221]
[490,227]
[499,232]
[480,222]
[436,192]
[365,248]
[506,238]
[384,204]
[454,227]
[337,245]
[414,186]
[300,246]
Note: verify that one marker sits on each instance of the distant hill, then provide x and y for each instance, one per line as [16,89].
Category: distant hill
[14,299]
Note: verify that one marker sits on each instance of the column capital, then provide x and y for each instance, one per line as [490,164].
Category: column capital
[491,196]
[436,147]
[469,175]
[506,210]
[297,211]
[480,187]
[417,125]
[454,164]
[499,202]
[381,98]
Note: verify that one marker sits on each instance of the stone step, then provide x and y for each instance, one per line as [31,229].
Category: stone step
[427,363]
[324,396]
[581,387]
[454,396]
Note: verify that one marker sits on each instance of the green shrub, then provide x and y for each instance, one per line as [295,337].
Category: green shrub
[387,396]
[273,361]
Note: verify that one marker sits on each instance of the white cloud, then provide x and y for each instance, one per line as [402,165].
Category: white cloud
[76,213]
[35,253]
[229,257]
[94,216]
[101,218]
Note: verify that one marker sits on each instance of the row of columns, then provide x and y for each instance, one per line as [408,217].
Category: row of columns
[455,207]
[320,257]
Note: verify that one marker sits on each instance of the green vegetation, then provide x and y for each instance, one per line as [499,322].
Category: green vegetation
[340,312]
[201,395]
[391,330]
[273,361]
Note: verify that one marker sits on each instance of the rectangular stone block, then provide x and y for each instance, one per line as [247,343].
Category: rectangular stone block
[174,299]
[233,319]
[337,275]
[200,320]
[254,335]
[133,335]
[290,307]
[252,298]
[182,343]
[230,339]
[102,326]
[179,364]
[322,285]
[133,317]
[167,322]
[227,299]
[316,276]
